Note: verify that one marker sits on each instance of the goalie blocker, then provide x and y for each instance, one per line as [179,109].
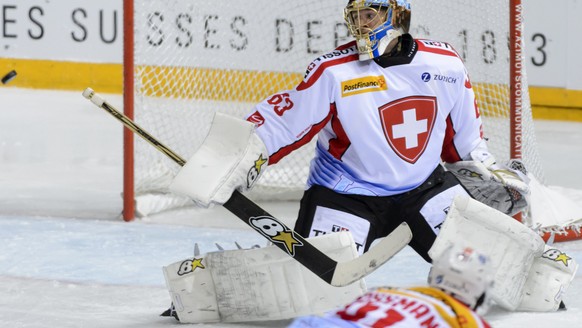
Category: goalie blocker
[231,157]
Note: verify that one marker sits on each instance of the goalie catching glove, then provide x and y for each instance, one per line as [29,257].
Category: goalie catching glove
[503,187]
[231,157]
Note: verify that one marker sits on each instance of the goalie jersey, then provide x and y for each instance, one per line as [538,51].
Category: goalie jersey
[383,125]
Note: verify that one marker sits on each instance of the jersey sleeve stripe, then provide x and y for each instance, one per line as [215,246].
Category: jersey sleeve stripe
[423,47]
[317,74]
[284,151]
[339,145]
[449,153]
[347,45]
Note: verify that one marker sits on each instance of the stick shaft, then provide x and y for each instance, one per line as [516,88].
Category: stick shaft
[130,124]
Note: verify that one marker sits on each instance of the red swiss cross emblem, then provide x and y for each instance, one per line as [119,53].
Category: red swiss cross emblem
[408,124]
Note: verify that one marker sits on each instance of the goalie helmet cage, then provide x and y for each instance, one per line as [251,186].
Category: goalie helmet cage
[186,59]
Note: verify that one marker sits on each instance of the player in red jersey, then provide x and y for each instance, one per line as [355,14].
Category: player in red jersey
[457,297]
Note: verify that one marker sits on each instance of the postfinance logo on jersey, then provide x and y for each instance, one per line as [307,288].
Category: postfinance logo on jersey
[363,84]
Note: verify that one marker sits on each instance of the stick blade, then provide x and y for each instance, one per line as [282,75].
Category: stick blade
[350,271]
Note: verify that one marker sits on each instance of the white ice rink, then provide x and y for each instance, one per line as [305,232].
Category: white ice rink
[67,260]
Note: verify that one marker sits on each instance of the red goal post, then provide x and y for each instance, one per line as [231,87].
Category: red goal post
[128,105]
[516,64]
[185,59]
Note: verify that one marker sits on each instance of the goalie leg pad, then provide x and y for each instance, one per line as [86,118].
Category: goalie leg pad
[510,245]
[548,280]
[257,284]
[192,291]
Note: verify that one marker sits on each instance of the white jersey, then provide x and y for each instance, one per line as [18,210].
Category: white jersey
[382,126]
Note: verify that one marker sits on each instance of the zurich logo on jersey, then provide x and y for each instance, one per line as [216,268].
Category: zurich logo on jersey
[425,76]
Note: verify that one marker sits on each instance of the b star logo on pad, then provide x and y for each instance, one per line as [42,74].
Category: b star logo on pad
[407,124]
[557,256]
[276,232]
[190,266]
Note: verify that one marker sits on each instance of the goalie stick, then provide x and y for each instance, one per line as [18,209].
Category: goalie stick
[333,272]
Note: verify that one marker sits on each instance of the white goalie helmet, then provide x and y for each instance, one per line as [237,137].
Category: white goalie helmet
[376,23]
[464,274]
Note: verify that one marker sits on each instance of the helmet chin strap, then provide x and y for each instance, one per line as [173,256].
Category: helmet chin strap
[389,42]
[385,45]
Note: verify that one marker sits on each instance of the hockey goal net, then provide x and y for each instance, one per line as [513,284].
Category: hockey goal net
[186,59]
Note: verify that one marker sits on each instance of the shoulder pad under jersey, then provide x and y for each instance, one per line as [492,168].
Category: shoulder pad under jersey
[437,47]
[340,55]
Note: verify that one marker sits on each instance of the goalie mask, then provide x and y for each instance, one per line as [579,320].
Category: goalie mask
[376,23]
[464,274]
